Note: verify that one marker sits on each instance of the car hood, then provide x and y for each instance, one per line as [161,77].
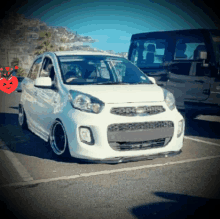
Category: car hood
[122,93]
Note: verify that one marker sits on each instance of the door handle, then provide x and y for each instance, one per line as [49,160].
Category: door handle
[199,81]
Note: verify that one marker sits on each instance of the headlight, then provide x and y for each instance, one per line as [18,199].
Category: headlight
[85,102]
[180,128]
[169,99]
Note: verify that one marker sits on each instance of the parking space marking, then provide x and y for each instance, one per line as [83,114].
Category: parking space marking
[198,140]
[23,173]
[105,172]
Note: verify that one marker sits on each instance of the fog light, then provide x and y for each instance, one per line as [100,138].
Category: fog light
[86,135]
[180,128]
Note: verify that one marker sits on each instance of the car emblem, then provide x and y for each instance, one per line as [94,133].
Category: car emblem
[140,110]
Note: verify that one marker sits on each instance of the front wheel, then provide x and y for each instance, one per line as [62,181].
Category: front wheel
[58,140]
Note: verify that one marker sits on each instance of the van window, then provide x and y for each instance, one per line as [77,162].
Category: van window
[188,47]
[148,53]
[216,44]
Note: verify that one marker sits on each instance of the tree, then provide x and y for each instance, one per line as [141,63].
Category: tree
[44,43]
[15,62]
[21,72]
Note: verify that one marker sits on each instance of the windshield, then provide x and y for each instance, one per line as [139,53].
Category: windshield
[216,44]
[81,70]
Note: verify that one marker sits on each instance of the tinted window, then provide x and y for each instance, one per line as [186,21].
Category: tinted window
[188,47]
[216,44]
[149,53]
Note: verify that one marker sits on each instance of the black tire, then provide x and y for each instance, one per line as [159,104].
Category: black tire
[22,119]
[58,140]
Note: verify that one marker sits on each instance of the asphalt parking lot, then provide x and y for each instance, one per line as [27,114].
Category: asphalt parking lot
[31,176]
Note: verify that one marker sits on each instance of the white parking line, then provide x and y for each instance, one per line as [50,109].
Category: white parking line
[34,182]
[16,163]
[206,142]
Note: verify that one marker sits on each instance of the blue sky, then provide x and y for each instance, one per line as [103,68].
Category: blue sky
[113,22]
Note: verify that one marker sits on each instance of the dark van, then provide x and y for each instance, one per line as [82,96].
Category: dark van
[185,62]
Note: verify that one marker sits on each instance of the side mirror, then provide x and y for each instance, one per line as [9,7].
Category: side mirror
[203,55]
[152,79]
[44,82]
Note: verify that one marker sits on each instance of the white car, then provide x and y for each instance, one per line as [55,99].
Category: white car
[100,108]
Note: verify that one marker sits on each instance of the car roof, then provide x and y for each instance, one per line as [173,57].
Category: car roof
[61,53]
[170,32]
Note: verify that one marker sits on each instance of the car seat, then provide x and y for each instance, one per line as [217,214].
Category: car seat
[150,53]
[181,48]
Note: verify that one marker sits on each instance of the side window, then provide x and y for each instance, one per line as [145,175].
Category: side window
[47,69]
[149,52]
[35,68]
[134,56]
[188,47]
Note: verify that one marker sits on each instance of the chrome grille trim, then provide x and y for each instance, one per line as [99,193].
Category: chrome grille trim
[137,111]
[139,126]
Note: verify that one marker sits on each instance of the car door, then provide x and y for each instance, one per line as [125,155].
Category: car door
[187,78]
[29,92]
[47,98]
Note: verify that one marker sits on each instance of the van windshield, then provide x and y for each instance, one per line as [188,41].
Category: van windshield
[101,70]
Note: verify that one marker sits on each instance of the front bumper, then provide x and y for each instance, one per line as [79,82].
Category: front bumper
[117,160]
[101,151]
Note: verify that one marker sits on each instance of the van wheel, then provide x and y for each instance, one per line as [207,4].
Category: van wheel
[22,120]
[58,140]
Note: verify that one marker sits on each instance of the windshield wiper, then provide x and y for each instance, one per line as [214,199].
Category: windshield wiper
[141,83]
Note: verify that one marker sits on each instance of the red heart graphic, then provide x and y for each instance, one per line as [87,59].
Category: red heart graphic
[1,69]
[7,68]
[8,86]
[16,67]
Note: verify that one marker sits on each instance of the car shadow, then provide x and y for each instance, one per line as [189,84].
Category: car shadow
[26,142]
[178,206]
[201,128]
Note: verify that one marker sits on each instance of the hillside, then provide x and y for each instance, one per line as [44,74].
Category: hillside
[24,38]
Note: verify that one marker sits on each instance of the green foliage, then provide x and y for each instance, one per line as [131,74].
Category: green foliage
[61,48]
[45,34]
[21,72]
[15,62]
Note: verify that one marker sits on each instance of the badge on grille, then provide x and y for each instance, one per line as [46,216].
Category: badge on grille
[140,110]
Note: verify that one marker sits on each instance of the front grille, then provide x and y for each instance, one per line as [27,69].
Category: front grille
[140,136]
[143,145]
[137,111]
[139,126]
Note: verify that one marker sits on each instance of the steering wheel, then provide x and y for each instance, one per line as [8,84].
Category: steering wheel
[70,75]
